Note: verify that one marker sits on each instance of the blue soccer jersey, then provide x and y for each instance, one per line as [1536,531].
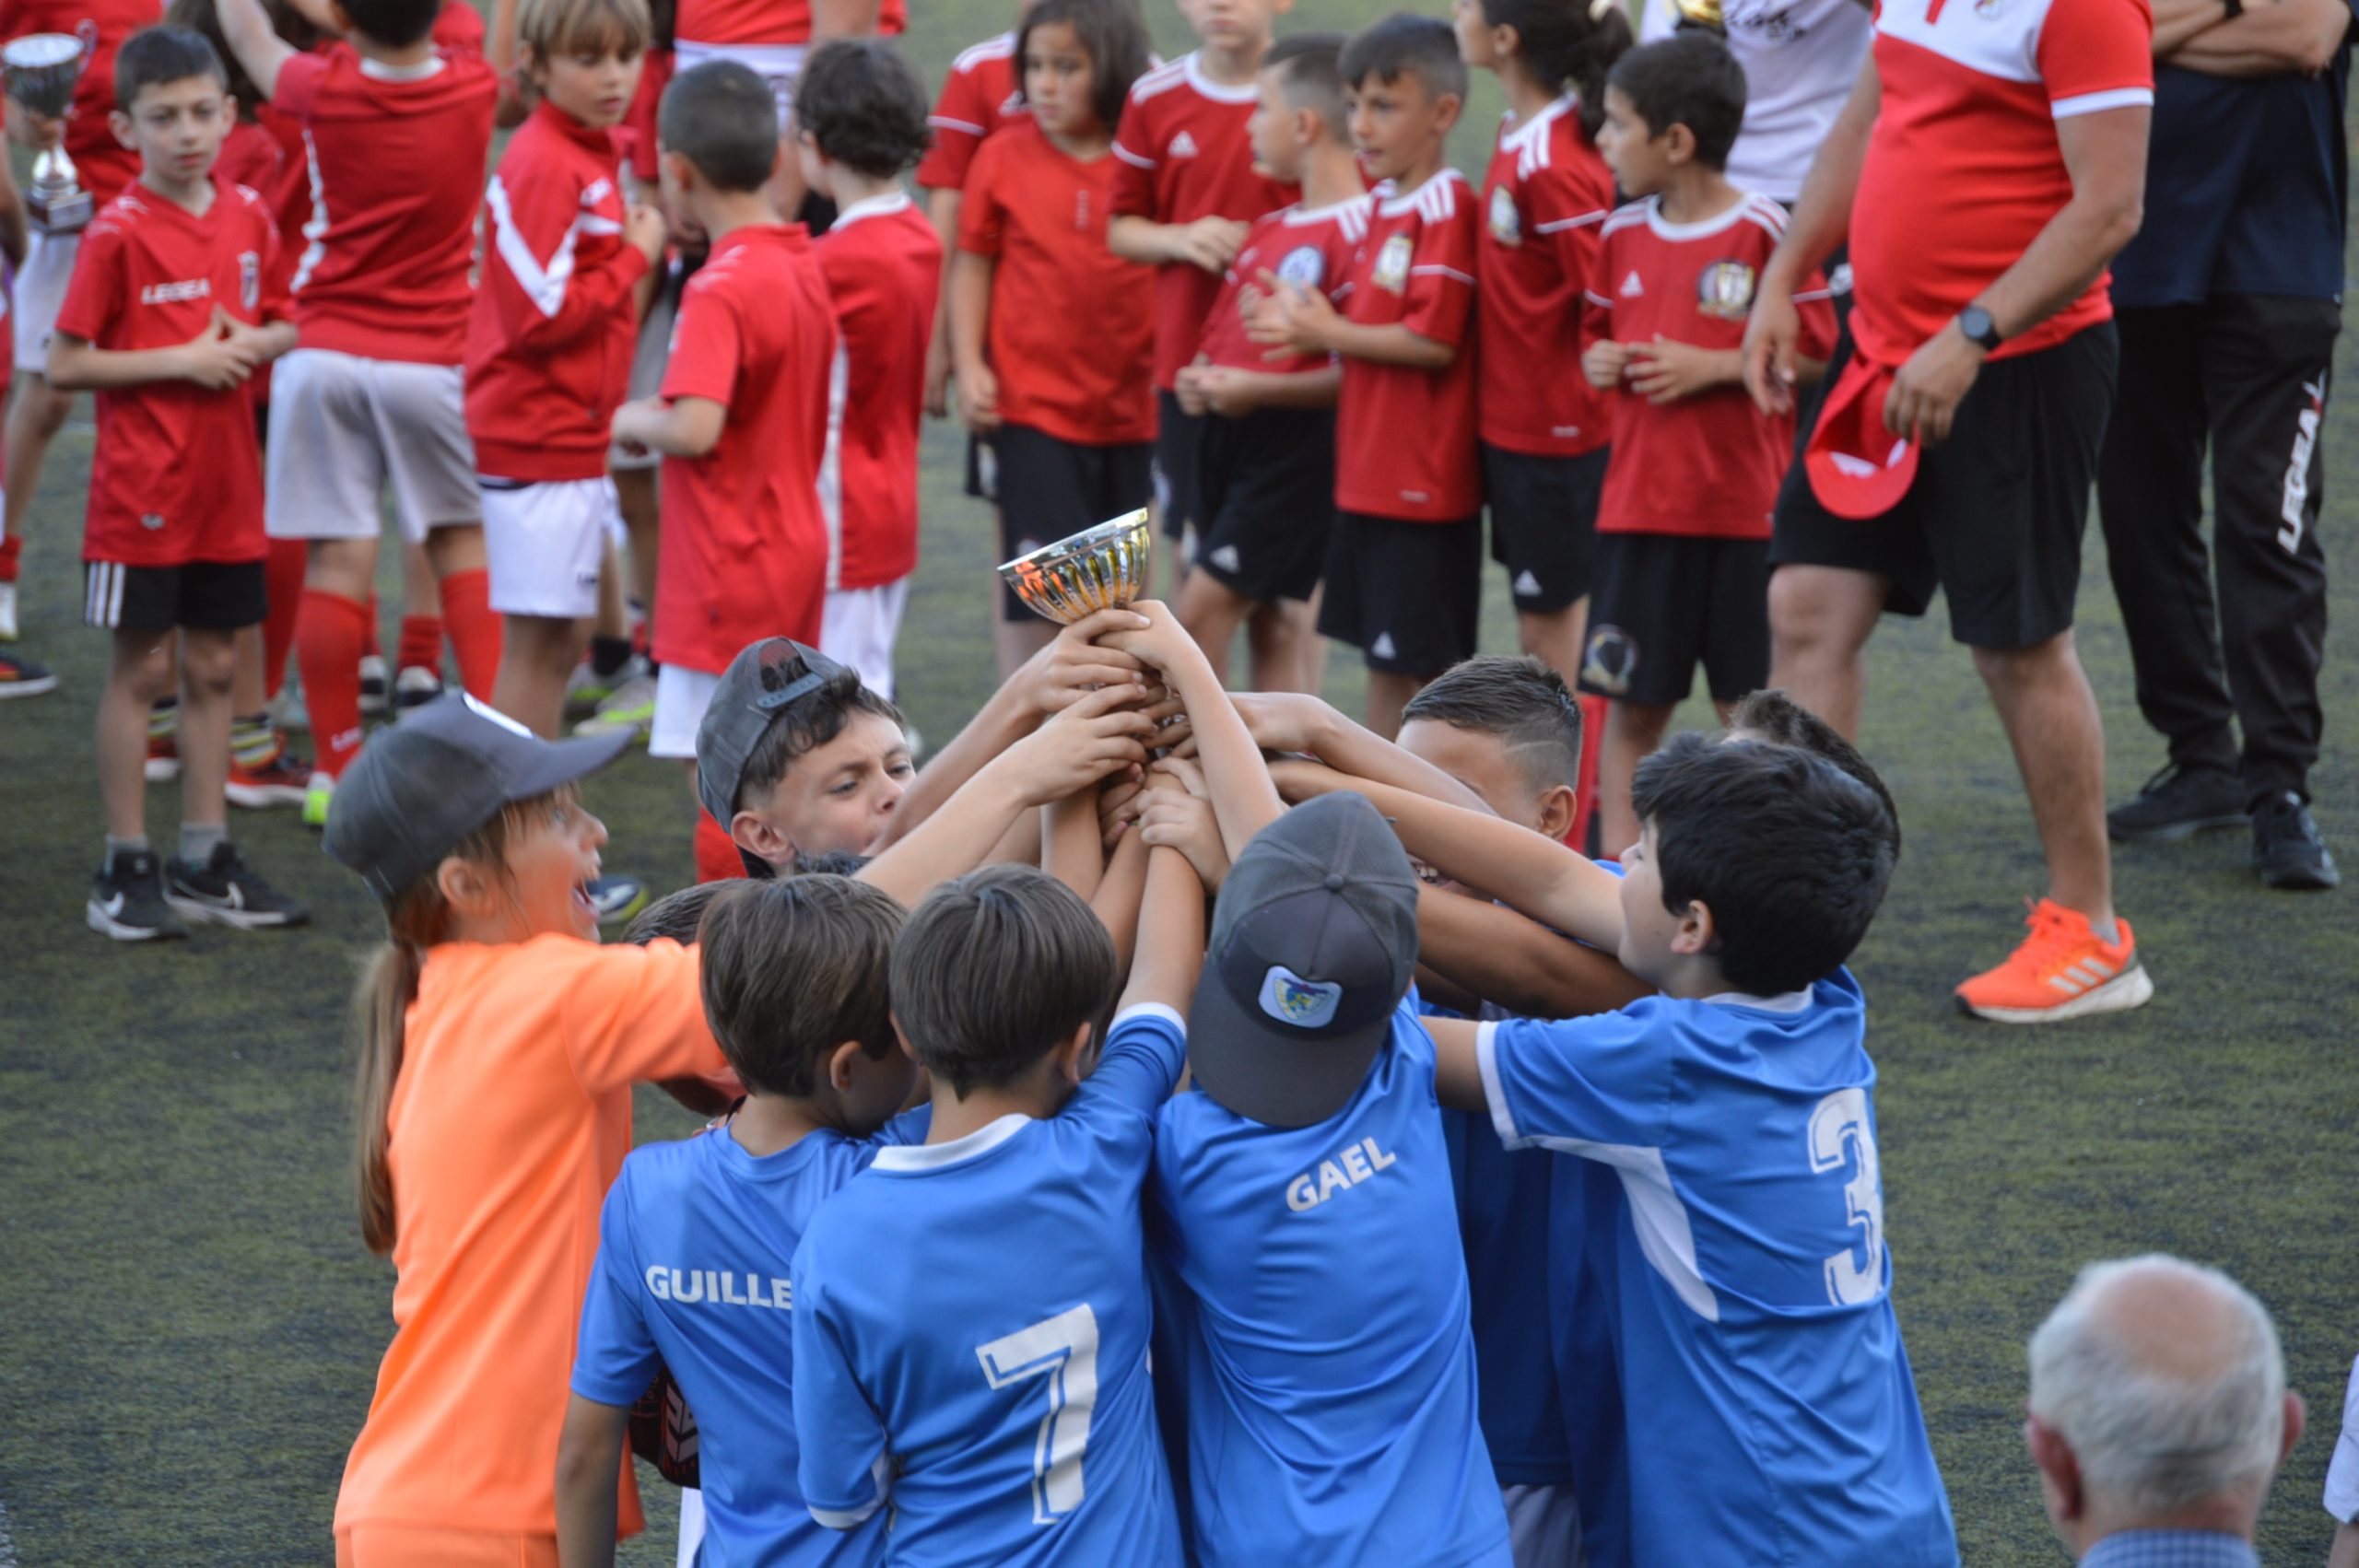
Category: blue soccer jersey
[694,1249]
[1773,1419]
[970,1334]
[1331,1418]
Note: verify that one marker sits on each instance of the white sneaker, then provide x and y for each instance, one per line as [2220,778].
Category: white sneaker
[416,687]
[7,611]
[631,706]
[287,710]
[376,686]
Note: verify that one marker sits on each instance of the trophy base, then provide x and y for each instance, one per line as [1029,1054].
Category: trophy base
[68,212]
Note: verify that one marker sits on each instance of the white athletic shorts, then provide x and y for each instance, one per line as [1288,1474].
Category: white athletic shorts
[2342,1465]
[1543,1525]
[648,357]
[681,697]
[691,1525]
[779,65]
[858,627]
[342,426]
[544,542]
[41,294]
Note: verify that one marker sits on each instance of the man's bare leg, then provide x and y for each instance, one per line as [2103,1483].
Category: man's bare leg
[2051,714]
[1819,619]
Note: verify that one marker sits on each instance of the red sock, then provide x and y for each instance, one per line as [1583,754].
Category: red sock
[11,545]
[717,857]
[370,648]
[1585,791]
[283,582]
[475,630]
[421,644]
[329,635]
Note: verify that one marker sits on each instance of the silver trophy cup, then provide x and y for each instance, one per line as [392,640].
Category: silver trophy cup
[41,72]
[1098,568]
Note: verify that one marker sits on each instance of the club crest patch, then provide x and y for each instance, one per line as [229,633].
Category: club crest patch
[1290,999]
[1725,290]
[1612,659]
[1506,223]
[1392,270]
[1304,266]
[250,280]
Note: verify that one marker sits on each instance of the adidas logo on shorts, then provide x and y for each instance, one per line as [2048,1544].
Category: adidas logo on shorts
[1382,647]
[1527,585]
[1224,558]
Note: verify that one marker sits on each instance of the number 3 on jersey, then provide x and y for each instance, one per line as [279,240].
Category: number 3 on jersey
[1064,1350]
[1841,1120]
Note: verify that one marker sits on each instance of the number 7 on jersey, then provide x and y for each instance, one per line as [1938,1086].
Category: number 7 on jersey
[1064,1350]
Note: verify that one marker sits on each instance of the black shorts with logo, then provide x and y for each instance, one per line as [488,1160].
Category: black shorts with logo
[1995,515]
[1177,433]
[1664,604]
[1408,595]
[211,595]
[1047,488]
[1267,486]
[1543,520]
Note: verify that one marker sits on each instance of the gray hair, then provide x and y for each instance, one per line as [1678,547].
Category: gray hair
[2156,1438]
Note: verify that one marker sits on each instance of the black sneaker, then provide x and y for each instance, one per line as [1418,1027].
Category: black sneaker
[127,900]
[225,891]
[2180,801]
[2286,848]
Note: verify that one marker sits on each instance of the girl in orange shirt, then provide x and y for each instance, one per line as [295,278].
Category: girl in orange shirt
[500,1043]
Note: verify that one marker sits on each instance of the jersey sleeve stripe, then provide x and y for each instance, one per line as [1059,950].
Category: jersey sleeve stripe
[1134,159]
[2098,102]
[943,122]
[1437,269]
[1487,1060]
[1149,1009]
[846,1518]
[544,287]
[1807,294]
[1600,300]
[1559,225]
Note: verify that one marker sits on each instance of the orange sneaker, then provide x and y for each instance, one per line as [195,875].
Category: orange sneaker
[2062,971]
[277,782]
[163,758]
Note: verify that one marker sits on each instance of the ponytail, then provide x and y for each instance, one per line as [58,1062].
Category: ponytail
[1567,43]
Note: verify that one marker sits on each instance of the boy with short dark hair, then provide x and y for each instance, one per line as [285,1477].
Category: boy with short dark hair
[861,124]
[1404,578]
[167,315]
[971,1315]
[697,1237]
[1683,527]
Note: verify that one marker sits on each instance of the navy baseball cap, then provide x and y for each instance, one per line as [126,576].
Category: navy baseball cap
[762,682]
[417,789]
[1314,943]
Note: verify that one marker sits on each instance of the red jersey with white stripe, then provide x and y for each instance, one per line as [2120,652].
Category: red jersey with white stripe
[981,91]
[1185,155]
[102,164]
[1404,438]
[1070,338]
[1543,201]
[1309,246]
[883,265]
[1707,465]
[744,549]
[1963,170]
[549,343]
[393,156]
[177,473]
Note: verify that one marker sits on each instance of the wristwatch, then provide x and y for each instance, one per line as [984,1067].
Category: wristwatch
[1980,329]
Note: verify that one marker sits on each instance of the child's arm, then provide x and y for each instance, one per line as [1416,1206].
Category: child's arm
[1296,721]
[1209,243]
[13,232]
[1243,797]
[1515,963]
[1304,321]
[970,315]
[217,358]
[1069,850]
[941,211]
[1667,370]
[1117,902]
[1171,936]
[589,1458]
[1183,819]
[543,305]
[685,426]
[245,26]
[1233,393]
[842,19]
[1458,1072]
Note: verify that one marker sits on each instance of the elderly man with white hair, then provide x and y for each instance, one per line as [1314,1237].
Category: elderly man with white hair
[2158,1415]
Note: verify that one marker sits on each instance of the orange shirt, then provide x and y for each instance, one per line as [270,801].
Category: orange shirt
[509,1119]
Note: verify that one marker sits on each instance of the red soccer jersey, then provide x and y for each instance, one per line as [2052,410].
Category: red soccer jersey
[458,26]
[883,265]
[1963,170]
[1404,438]
[744,550]
[251,156]
[1707,465]
[550,343]
[1184,156]
[982,91]
[642,143]
[1311,247]
[393,161]
[744,21]
[177,474]
[1071,321]
[101,165]
[1543,201]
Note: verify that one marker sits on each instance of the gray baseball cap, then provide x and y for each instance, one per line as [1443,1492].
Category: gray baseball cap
[417,789]
[762,682]
[1314,943]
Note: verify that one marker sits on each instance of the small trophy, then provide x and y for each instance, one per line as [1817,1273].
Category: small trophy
[41,71]
[1098,568]
[1702,15]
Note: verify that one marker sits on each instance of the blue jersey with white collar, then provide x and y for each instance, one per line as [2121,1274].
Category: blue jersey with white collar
[1332,1419]
[694,1248]
[1749,1271]
[970,1334]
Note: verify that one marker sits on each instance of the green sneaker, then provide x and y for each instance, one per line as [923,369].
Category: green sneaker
[631,706]
[316,796]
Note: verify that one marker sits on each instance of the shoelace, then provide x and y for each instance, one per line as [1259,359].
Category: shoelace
[2053,935]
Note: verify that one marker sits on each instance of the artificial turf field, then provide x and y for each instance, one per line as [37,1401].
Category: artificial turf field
[190,1328]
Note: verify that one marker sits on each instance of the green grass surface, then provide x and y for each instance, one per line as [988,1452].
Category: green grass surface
[190,1329]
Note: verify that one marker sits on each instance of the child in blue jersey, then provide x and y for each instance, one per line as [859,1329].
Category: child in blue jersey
[971,1315]
[1746,1262]
[697,1237]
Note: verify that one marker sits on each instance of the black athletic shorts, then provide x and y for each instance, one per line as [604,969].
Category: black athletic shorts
[214,595]
[1267,485]
[1408,595]
[1544,518]
[1047,488]
[1176,435]
[1995,515]
[1664,604]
